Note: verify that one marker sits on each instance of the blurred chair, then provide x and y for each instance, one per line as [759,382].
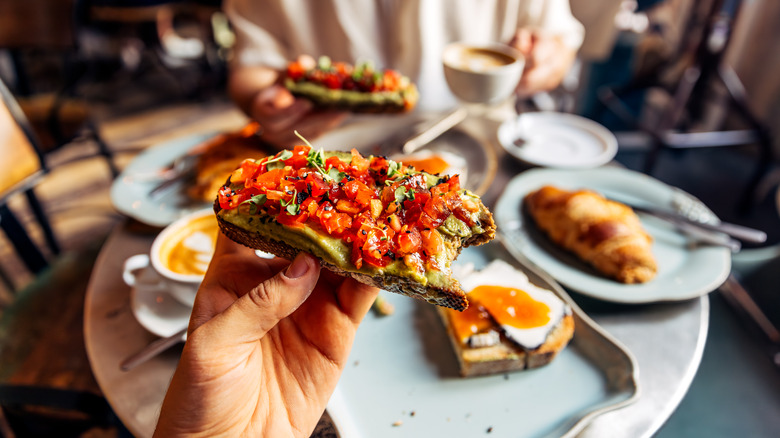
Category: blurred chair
[35,33]
[21,168]
[686,78]
[32,411]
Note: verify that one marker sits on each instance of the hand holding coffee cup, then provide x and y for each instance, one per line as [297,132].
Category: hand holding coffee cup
[180,255]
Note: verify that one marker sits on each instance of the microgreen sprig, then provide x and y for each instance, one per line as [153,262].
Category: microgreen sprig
[255,202]
[283,156]
[316,159]
[291,206]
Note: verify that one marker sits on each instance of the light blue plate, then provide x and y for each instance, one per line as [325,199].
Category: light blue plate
[402,378]
[130,191]
[685,270]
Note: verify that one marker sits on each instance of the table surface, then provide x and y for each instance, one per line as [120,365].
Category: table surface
[666,339]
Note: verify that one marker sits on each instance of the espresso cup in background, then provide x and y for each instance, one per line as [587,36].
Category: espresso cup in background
[180,254]
[482,73]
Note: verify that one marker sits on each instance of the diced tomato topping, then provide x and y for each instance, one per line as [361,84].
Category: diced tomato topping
[229,200]
[358,164]
[432,241]
[299,158]
[290,220]
[384,219]
[316,183]
[335,162]
[245,171]
[295,71]
[408,240]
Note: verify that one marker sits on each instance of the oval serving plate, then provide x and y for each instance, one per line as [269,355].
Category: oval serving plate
[685,270]
[130,191]
[402,377]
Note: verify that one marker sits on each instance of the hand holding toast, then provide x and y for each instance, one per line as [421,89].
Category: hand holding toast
[256,90]
[267,343]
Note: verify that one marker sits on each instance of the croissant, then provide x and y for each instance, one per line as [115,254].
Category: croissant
[606,234]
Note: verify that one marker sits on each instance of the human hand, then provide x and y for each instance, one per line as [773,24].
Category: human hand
[266,344]
[547,60]
[281,114]
[256,90]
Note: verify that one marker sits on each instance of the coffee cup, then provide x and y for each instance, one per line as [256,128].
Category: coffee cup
[180,256]
[482,73]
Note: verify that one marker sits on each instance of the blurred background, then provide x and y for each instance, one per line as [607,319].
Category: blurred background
[690,88]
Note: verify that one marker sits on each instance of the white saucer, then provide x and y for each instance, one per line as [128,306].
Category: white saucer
[561,140]
[156,309]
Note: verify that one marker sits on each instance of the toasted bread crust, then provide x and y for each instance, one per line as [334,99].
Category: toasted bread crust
[451,296]
[508,356]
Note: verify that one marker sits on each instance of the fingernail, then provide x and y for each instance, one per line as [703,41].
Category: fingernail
[298,267]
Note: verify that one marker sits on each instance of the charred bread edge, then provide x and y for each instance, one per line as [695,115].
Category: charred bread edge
[446,297]
[409,97]
[507,356]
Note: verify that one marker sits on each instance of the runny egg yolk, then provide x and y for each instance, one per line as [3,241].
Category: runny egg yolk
[511,307]
[471,321]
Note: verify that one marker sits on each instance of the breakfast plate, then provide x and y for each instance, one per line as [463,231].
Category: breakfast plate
[130,192]
[156,309]
[685,270]
[560,140]
[402,377]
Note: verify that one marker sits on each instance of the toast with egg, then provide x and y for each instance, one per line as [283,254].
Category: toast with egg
[510,325]
[358,88]
[370,218]
[606,234]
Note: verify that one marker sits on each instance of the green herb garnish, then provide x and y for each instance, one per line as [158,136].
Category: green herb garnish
[403,193]
[316,159]
[335,175]
[291,206]
[393,167]
[255,202]
[282,156]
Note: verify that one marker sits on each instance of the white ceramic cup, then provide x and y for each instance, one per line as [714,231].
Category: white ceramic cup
[181,286]
[482,73]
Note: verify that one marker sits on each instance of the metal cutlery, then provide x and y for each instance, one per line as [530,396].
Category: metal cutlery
[685,221]
[434,130]
[180,169]
[153,350]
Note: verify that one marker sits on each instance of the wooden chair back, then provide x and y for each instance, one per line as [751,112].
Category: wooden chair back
[21,163]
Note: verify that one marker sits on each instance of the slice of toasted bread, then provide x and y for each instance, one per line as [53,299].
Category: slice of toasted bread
[423,276]
[511,324]
[507,356]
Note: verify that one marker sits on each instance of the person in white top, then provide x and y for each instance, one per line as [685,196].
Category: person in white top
[406,35]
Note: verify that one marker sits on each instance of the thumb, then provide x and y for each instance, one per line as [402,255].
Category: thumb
[251,316]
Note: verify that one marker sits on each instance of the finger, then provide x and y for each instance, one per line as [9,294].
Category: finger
[251,316]
[522,40]
[356,298]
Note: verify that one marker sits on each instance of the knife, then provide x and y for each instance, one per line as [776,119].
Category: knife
[743,233]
